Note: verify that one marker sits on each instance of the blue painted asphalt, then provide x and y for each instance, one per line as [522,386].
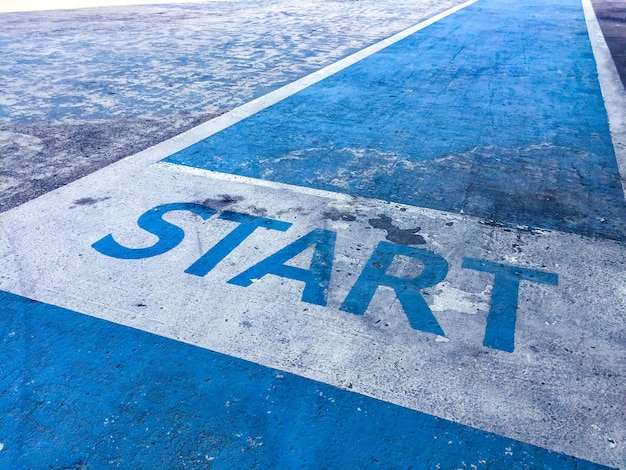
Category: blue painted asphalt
[495,112]
[86,393]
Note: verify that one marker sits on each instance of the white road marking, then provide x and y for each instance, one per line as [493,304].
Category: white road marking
[563,332]
[613,90]
[190,137]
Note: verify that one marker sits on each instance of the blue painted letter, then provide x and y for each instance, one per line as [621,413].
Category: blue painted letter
[247,225]
[152,221]
[500,331]
[407,289]
[316,278]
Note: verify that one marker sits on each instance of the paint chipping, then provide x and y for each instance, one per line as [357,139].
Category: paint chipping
[457,300]
[336,215]
[396,234]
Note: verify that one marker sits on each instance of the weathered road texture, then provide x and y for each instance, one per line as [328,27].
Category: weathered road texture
[80,89]
[612,18]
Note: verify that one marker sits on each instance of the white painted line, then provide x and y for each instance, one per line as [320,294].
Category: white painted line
[187,170]
[568,330]
[236,115]
[173,169]
[613,91]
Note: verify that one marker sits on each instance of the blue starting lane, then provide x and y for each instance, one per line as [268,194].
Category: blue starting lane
[411,259]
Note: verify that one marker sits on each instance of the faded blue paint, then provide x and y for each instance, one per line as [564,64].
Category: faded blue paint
[495,111]
[500,330]
[82,392]
[408,290]
[247,225]
[316,279]
[171,235]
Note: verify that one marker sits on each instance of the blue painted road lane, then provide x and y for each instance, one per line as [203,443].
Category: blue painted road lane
[495,111]
[399,265]
[91,394]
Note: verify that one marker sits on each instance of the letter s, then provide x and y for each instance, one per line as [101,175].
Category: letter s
[152,221]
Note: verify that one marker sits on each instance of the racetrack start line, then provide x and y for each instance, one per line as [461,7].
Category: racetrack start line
[329,322]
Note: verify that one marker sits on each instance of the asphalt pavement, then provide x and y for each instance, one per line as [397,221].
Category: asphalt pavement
[332,234]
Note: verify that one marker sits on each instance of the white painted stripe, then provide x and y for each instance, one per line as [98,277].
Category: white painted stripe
[173,168]
[612,89]
[236,115]
[572,329]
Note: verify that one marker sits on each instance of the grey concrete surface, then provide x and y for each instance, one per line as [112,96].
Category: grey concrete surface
[84,88]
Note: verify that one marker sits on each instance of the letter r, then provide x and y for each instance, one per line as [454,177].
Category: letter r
[407,290]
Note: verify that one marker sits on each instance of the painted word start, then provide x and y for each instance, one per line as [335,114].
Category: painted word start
[501,319]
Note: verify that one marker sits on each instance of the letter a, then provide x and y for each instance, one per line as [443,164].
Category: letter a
[316,278]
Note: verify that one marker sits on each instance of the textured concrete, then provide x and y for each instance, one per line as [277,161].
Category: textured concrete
[73,99]
[412,258]
[612,18]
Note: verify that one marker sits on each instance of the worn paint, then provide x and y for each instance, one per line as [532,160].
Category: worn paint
[379,353]
[451,124]
[432,268]
[287,312]
[74,99]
